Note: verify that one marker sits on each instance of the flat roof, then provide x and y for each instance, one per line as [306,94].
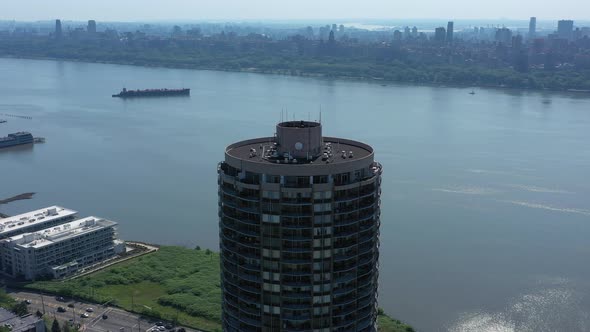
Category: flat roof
[256,150]
[24,323]
[33,218]
[60,233]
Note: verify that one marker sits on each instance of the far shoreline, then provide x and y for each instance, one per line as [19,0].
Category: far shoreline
[382,81]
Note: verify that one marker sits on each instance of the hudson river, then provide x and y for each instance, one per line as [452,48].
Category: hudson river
[486,197]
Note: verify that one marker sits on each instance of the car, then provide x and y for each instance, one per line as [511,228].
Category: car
[181,330]
[84,315]
[104,316]
[71,305]
[28,301]
[159,324]
[61,309]
[169,326]
[161,328]
[60,298]
[89,310]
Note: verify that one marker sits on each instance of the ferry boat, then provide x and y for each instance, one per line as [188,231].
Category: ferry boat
[152,93]
[15,139]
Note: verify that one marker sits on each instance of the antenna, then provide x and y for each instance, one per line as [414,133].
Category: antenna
[320,114]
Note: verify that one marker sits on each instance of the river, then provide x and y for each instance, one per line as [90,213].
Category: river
[486,197]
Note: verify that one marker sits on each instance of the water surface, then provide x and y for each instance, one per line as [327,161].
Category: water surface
[486,209]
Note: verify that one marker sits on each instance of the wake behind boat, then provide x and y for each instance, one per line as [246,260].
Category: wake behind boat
[152,93]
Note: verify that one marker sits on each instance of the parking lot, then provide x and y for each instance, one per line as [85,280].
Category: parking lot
[99,318]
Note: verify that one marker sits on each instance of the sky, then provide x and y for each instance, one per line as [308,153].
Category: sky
[142,10]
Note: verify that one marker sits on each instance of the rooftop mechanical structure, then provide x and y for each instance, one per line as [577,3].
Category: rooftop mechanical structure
[299,217]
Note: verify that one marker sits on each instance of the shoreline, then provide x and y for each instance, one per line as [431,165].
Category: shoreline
[254,70]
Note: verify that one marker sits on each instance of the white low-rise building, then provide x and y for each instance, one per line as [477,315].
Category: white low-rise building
[35,220]
[61,250]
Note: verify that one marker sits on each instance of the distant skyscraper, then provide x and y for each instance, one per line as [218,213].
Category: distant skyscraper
[91,26]
[341,29]
[450,30]
[415,32]
[397,35]
[299,232]
[504,36]
[334,28]
[517,42]
[58,32]
[440,34]
[532,28]
[309,32]
[407,32]
[565,29]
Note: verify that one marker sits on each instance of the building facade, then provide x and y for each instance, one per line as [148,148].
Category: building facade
[440,34]
[299,218]
[91,28]
[450,31]
[532,28]
[565,29]
[61,250]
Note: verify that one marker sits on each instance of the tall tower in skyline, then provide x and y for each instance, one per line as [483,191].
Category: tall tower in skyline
[532,28]
[299,217]
[440,34]
[565,29]
[58,31]
[91,27]
[450,31]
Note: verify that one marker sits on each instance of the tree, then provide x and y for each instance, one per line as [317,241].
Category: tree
[20,309]
[55,326]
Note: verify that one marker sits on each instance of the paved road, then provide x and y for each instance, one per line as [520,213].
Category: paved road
[118,320]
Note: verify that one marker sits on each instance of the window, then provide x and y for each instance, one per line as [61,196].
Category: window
[271,194]
[275,219]
[322,195]
[272,178]
[322,219]
[322,207]
[272,287]
[271,253]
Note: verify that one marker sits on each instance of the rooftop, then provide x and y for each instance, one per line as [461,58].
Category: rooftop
[25,220]
[334,151]
[60,233]
[16,323]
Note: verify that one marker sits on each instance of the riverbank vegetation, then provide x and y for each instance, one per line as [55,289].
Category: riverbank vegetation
[386,64]
[177,284]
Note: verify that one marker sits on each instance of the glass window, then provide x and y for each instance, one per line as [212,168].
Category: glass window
[271,194]
[322,195]
[271,218]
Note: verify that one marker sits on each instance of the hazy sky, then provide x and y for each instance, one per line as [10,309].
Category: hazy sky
[138,10]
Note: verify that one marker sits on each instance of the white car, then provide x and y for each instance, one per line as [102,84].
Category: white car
[89,310]
[84,315]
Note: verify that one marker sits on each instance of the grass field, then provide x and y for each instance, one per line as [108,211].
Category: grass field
[174,283]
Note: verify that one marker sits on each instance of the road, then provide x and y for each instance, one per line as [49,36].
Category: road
[118,320]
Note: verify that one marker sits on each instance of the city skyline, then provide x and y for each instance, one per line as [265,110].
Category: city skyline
[135,10]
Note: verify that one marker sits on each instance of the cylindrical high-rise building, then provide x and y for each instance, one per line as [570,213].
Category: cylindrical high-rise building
[299,232]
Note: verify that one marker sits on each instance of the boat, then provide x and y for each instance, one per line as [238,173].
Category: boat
[20,138]
[152,93]
[472,92]
[2,121]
